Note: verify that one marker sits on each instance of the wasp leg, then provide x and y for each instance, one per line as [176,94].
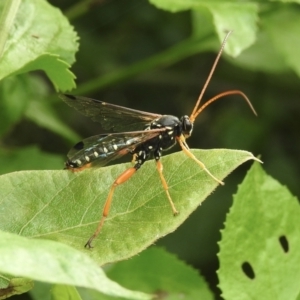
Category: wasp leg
[186,150]
[121,179]
[159,167]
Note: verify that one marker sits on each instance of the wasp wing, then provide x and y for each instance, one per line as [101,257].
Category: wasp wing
[112,117]
[101,149]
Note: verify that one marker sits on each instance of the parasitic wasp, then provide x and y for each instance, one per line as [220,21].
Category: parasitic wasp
[141,134]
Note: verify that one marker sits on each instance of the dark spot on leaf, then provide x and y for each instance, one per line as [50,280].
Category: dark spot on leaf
[70,96]
[284,243]
[248,270]
[79,146]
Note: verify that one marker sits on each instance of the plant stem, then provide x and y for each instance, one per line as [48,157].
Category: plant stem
[168,57]
[78,9]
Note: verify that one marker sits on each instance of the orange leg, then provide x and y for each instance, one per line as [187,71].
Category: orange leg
[186,150]
[121,179]
[159,167]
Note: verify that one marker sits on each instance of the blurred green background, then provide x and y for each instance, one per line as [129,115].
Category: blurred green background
[117,34]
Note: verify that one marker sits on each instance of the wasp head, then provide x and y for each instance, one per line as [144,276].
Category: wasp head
[187,126]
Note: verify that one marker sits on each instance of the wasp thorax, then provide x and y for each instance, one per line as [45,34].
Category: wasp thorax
[187,126]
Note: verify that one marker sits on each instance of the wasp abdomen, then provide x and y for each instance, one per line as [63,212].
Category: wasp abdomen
[99,150]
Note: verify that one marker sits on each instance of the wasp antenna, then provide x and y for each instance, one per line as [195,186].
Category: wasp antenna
[194,115]
[221,95]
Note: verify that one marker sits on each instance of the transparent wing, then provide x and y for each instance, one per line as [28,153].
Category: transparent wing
[101,149]
[110,116]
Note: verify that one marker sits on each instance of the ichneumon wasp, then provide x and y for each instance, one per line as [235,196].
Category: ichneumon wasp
[146,134]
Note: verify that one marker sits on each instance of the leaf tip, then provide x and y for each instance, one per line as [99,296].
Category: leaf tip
[257,159]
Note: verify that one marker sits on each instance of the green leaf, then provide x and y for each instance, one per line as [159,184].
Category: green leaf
[259,252]
[258,57]
[28,95]
[41,290]
[64,292]
[41,112]
[285,38]
[157,272]
[54,262]
[66,207]
[28,158]
[226,15]
[56,69]
[15,93]
[7,17]
[241,18]
[14,286]
[39,37]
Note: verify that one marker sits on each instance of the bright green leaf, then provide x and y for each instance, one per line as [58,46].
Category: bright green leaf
[64,292]
[56,69]
[7,17]
[241,18]
[54,262]
[15,286]
[226,15]
[66,207]
[40,38]
[202,23]
[261,236]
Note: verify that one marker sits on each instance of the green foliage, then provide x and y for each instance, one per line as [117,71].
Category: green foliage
[36,36]
[137,218]
[55,263]
[32,40]
[11,160]
[56,211]
[64,292]
[156,270]
[225,15]
[14,286]
[70,211]
[15,96]
[277,47]
[261,231]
